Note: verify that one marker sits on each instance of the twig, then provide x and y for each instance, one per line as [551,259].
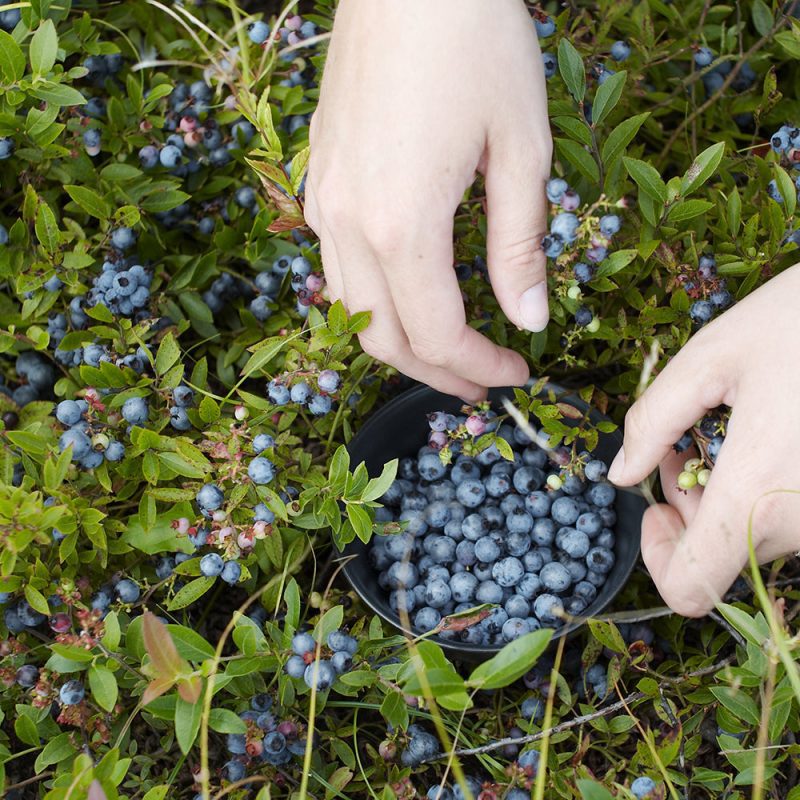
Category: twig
[731,77]
[42,776]
[720,620]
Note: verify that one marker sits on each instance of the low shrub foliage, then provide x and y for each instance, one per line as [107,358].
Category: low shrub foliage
[176,393]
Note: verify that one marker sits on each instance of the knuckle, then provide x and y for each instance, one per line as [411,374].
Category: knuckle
[376,347]
[676,594]
[437,351]
[765,510]
[384,232]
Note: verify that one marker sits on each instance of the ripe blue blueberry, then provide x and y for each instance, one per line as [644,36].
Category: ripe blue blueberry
[508,571]
[583,272]
[427,618]
[340,641]
[134,410]
[295,666]
[320,404]
[548,608]
[703,57]
[71,693]
[182,396]
[609,225]
[600,560]
[303,643]
[319,675]
[565,225]
[544,27]
[211,565]
[231,572]
[550,65]
[258,32]
[210,497]
[620,51]
[68,412]
[642,788]
[515,627]
[127,591]
[437,594]
[489,592]
[261,470]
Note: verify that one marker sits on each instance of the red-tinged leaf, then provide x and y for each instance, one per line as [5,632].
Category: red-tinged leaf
[286,223]
[459,623]
[156,688]
[96,791]
[286,204]
[570,412]
[190,688]
[165,660]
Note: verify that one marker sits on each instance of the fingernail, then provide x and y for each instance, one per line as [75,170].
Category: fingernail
[617,466]
[534,312]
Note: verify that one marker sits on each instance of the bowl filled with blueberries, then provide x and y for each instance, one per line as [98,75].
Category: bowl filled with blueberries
[528,541]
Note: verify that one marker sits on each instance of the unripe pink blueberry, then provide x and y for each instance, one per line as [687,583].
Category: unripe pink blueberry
[293,38]
[260,529]
[193,139]
[183,525]
[246,540]
[241,413]
[437,439]
[570,200]
[219,515]
[387,750]
[475,425]
[314,282]
[287,728]
[226,533]
[60,622]
[187,124]
[294,23]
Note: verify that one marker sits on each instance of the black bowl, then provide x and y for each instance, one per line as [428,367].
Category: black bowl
[400,428]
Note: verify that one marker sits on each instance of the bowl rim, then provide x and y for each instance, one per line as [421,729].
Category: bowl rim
[463,649]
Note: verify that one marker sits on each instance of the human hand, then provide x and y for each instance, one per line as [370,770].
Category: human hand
[696,546]
[415,99]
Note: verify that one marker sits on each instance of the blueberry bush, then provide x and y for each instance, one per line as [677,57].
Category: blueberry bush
[176,394]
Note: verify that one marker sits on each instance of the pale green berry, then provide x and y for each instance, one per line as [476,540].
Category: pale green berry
[703,476]
[687,480]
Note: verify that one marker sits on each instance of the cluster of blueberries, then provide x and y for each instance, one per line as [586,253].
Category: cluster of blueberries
[708,436]
[305,283]
[283,390]
[182,398]
[517,534]
[714,78]
[786,143]
[320,673]
[716,295]
[89,442]
[37,377]
[268,740]
[564,232]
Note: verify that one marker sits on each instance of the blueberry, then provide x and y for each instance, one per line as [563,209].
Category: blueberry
[328,381]
[68,412]
[211,565]
[552,245]
[182,396]
[486,550]
[584,316]
[589,523]
[703,57]
[701,312]
[27,676]
[517,606]
[300,393]
[474,527]
[295,666]
[518,544]
[565,226]
[319,405]
[600,560]
[595,470]
[565,511]
[600,494]
[543,532]
[340,641]
[234,770]
[134,410]
[261,470]
[609,225]
[465,553]
[514,627]
[548,608]
[463,587]
[489,592]
[550,65]
[170,156]
[544,27]
[402,575]
[236,744]
[210,497]
[341,662]
[427,618]
[642,788]
[538,504]
[81,444]
[122,238]
[437,594]
[231,572]
[620,51]
[303,643]
[127,591]
[573,542]
[431,467]
[71,693]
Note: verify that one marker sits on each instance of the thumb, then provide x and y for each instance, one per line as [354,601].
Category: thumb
[517,220]
[697,379]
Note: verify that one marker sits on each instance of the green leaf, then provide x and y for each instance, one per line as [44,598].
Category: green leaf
[688,209]
[787,189]
[762,17]
[165,201]
[702,168]
[36,599]
[261,357]
[377,487]
[188,594]
[647,178]
[608,635]
[621,137]
[169,352]
[44,48]
[104,688]
[512,662]
[591,790]
[190,644]
[187,723]
[337,471]
[617,261]
[223,720]
[337,318]
[743,622]
[570,65]
[55,751]
[12,60]
[47,228]
[734,208]
[607,96]
[157,792]
[579,157]
[575,128]
[59,94]
[741,705]
[360,521]
[208,410]
[395,710]
[90,201]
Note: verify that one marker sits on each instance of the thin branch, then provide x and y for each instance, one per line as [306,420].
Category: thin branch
[720,620]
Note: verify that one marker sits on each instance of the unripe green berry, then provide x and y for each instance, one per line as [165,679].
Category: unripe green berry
[687,480]
[574,292]
[554,482]
[594,325]
[704,476]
